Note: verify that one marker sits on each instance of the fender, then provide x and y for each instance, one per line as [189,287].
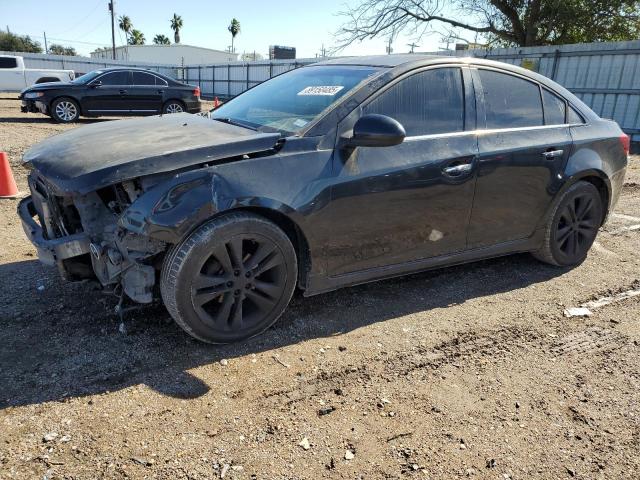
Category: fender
[172,210]
[571,180]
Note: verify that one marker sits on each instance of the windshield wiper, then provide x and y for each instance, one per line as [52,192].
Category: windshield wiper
[233,121]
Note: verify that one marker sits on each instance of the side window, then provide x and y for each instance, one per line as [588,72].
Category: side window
[425,103]
[573,116]
[8,62]
[554,108]
[141,78]
[161,82]
[115,78]
[510,101]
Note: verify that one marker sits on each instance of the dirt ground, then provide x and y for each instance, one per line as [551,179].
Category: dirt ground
[471,371]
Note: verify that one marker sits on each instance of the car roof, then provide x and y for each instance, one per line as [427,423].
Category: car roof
[135,69]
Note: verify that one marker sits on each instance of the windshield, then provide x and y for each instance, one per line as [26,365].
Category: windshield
[288,102]
[87,77]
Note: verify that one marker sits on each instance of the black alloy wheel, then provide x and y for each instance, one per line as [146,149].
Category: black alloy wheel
[231,279]
[573,227]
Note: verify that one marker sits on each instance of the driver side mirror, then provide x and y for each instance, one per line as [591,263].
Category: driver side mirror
[95,84]
[373,130]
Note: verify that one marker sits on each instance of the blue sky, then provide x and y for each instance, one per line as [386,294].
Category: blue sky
[85,24]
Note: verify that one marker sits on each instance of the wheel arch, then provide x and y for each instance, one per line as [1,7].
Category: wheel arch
[64,95]
[292,230]
[597,178]
[47,79]
[196,205]
[174,99]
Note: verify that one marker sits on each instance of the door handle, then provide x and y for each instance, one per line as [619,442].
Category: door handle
[551,154]
[458,169]
[123,92]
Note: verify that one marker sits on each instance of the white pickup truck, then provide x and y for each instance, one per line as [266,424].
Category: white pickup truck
[14,77]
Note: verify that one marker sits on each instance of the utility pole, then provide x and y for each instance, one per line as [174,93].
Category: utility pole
[113,30]
[412,45]
[389,49]
[46,48]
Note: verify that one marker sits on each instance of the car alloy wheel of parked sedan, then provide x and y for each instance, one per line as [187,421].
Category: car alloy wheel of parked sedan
[65,110]
[327,176]
[173,107]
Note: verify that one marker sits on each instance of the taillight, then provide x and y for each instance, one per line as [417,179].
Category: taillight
[625,140]
[196,92]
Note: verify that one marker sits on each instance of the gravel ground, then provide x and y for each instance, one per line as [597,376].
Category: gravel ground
[471,371]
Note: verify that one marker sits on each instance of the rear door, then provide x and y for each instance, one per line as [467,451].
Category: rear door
[523,149]
[108,94]
[392,205]
[146,93]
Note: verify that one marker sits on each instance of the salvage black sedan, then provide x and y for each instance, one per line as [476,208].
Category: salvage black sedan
[112,91]
[330,175]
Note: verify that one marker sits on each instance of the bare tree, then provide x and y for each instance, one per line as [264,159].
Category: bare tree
[508,22]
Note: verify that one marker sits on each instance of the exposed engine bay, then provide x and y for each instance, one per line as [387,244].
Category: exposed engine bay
[100,248]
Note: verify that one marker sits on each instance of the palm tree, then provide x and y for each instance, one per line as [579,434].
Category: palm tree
[136,38]
[234,28]
[176,25]
[124,22]
[161,40]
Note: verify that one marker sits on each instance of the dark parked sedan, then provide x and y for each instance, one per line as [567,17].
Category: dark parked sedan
[112,91]
[330,175]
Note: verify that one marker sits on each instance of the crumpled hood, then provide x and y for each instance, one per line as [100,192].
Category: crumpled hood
[91,157]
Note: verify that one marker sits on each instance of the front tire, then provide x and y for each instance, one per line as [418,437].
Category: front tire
[65,110]
[230,279]
[572,226]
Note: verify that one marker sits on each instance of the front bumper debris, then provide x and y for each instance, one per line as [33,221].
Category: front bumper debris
[50,251]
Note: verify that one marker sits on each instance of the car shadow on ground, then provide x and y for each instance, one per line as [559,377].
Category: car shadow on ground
[45,119]
[60,340]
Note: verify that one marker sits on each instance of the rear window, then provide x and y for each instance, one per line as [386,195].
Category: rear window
[8,62]
[141,78]
[510,102]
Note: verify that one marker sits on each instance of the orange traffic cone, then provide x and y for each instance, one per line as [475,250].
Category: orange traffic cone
[8,187]
[216,102]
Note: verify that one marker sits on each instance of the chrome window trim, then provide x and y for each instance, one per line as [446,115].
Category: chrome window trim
[488,131]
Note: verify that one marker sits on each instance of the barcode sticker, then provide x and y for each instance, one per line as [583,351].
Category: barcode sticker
[328,90]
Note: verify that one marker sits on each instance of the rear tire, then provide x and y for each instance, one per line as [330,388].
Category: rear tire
[572,226]
[230,279]
[173,106]
[65,110]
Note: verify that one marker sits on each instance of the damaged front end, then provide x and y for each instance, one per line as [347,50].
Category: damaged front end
[80,235]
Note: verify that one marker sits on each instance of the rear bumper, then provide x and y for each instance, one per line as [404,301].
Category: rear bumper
[617,181]
[50,251]
[193,107]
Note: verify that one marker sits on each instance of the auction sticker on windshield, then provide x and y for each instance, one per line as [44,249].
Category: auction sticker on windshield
[329,90]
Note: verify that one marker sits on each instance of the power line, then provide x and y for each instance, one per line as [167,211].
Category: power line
[81,21]
[69,41]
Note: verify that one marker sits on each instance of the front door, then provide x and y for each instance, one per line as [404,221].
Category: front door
[108,94]
[392,205]
[522,152]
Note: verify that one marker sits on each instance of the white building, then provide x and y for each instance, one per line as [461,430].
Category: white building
[175,54]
